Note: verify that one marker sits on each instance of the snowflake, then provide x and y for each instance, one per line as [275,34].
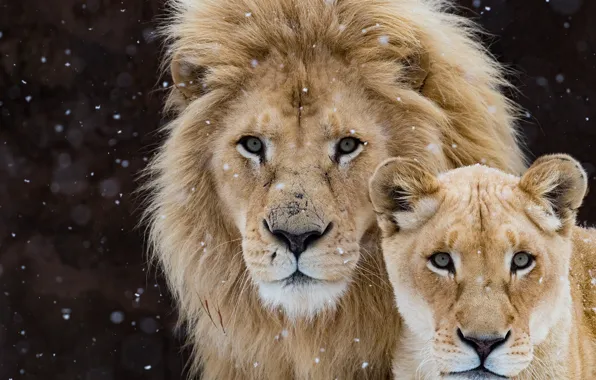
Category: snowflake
[383,40]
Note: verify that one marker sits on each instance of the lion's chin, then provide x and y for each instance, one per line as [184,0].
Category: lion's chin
[474,375]
[301,299]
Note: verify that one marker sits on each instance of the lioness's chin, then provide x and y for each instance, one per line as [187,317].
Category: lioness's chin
[302,299]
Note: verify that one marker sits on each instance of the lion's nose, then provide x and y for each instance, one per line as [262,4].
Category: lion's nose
[483,346]
[298,243]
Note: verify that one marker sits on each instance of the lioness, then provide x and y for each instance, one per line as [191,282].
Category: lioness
[490,273]
[259,208]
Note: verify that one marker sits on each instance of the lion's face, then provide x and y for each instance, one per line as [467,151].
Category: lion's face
[479,262]
[292,164]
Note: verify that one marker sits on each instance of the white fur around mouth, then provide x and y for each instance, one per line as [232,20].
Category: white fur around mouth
[474,375]
[303,299]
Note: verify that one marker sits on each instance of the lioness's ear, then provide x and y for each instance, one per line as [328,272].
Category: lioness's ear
[559,181]
[188,77]
[397,189]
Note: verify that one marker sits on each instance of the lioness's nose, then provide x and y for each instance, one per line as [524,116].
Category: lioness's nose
[298,243]
[483,346]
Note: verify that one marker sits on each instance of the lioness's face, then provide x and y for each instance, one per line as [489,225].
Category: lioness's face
[292,162]
[479,266]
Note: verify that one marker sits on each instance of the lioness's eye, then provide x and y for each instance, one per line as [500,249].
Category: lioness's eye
[348,145]
[442,260]
[521,261]
[252,144]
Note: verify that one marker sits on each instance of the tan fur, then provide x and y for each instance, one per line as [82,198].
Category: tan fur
[402,76]
[482,217]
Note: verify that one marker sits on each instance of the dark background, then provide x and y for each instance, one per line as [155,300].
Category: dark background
[79,104]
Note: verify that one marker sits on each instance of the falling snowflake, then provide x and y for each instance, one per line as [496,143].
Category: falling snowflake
[117,317]
[434,148]
[66,314]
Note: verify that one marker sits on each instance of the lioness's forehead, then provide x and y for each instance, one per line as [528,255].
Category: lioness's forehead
[480,195]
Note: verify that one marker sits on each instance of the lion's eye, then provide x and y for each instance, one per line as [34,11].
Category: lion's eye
[443,261]
[252,144]
[521,261]
[348,145]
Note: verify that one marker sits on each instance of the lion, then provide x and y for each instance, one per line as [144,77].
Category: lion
[491,275]
[258,206]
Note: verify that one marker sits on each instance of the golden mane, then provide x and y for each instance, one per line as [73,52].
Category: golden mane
[398,46]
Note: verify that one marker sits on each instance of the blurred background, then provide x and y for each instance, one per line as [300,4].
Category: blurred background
[80,101]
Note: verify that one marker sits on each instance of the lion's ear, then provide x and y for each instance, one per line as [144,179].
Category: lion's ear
[188,78]
[401,193]
[417,69]
[560,182]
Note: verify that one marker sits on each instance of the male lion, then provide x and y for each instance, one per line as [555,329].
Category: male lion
[491,275]
[259,210]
